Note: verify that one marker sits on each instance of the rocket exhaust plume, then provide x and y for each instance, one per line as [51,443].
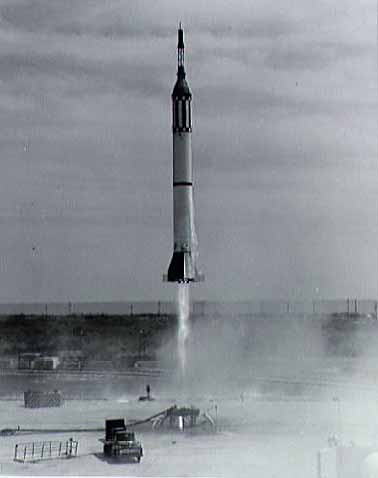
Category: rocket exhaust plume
[183,311]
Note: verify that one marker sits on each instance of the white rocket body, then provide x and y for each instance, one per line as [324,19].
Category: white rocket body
[183,266]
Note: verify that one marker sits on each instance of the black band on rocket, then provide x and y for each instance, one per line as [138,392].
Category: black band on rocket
[183,183]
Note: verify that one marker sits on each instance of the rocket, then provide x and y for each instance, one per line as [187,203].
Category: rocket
[183,267]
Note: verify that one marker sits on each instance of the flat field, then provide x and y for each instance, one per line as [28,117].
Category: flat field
[256,436]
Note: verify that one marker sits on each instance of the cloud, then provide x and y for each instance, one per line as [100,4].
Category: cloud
[141,79]
[315,56]
[113,19]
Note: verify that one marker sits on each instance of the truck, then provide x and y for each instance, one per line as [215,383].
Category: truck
[120,442]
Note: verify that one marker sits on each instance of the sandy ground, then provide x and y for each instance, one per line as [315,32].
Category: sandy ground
[257,436]
[271,419]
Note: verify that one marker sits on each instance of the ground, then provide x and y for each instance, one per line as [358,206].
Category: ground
[277,390]
[257,436]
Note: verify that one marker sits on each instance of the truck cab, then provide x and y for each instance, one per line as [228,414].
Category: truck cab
[121,442]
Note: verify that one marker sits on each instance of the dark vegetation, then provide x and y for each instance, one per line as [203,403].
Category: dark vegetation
[100,337]
[348,334]
[123,339]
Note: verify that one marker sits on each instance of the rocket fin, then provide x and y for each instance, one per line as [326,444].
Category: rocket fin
[182,269]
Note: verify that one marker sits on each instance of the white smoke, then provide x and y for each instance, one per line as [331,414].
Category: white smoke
[183,313]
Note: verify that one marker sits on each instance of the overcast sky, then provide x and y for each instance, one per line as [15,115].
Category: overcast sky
[284,147]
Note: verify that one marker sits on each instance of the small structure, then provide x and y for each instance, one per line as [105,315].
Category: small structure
[346,461]
[103,365]
[148,396]
[37,361]
[26,360]
[39,399]
[147,364]
[8,362]
[45,450]
[45,363]
[71,359]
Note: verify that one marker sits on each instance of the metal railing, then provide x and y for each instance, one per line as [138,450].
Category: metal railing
[45,450]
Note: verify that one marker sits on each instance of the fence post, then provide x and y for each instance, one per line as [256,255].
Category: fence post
[15,451]
[60,447]
[50,448]
[24,452]
[43,446]
[33,450]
